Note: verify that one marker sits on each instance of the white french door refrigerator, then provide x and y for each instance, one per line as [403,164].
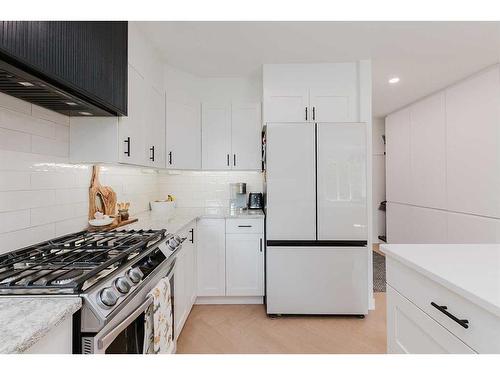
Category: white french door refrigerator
[316,218]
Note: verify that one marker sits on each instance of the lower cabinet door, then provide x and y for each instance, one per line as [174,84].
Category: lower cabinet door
[180,297]
[411,331]
[211,258]
[244,264]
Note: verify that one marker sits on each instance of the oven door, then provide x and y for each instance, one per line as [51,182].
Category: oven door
[127,335]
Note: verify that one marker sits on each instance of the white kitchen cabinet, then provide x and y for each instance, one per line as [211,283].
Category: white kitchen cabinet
[398,175]
[411,331]
[311,92]
[246,144]
[465,228]
[473,144]
[132,129]
[286,105]
[129,139]
[183,136]
[155,123]
[427,152]
[333,104]
[244,264]
[180,293]
[411,224]
[185,279]
[59,340]
[211,257]
[231,136]
[216,136]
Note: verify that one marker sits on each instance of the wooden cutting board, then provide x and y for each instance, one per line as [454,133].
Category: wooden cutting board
[101,198]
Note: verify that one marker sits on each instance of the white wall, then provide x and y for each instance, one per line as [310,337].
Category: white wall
[378,153]
[206,188]
[443,165]
[42,195]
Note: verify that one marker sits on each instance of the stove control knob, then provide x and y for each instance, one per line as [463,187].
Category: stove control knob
[178,239]
[108,297]
[122,285]
[135,274]
[172,244]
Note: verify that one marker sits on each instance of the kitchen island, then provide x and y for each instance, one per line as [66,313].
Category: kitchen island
[443,298]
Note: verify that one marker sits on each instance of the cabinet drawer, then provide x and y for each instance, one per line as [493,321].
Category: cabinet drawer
[412,331]
[244,226]
[483,331]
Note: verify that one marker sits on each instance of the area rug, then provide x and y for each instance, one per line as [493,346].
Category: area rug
[378,272]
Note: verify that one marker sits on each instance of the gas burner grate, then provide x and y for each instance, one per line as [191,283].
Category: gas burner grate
[65,264]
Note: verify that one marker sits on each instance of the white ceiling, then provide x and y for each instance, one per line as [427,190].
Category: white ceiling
[425,55]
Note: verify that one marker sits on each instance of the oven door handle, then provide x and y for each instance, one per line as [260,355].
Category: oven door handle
[107,339]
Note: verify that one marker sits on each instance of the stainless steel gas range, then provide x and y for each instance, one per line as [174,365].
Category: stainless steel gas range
[113,272]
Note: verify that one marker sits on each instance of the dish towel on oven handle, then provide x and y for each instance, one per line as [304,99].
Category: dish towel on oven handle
[158,322]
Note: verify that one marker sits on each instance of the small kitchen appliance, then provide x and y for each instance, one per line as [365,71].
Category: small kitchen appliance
[238,196]
[255,200]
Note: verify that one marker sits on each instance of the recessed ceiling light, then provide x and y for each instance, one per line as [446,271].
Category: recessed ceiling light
[85,113]
[27,84]
[393,80]
[70,103]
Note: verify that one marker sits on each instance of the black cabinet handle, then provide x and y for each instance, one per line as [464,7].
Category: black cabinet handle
[152,157]
[444,309]
[228,160]
[314,113]
[306,113]
[244,226]
[234,160]
[192,235]
[260,244]
[127,141]
[170,158]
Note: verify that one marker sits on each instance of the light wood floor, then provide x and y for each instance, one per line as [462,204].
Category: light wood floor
[226,329]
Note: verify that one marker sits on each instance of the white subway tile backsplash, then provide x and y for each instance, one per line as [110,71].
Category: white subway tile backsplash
[14,140]
[15,220]
[18,200]
[14,104]
[47,114]
[71,225]
[44,215]
[24,123]
[47,146]
[75,195]
[14,180]
[20,238]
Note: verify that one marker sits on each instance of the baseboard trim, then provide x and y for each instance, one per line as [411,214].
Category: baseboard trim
[229,301]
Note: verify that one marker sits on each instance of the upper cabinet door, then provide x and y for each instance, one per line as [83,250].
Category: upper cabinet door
[428,152]
[473,145]
[333,105]
[216,136]
[155,137]
[398,176]
[341,181]
[246,136]
[183,136]
[132,128]
[287,105]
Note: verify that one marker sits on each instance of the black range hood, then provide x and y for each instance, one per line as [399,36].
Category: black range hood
[74,68]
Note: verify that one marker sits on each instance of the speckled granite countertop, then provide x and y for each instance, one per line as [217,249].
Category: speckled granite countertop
[183,216]
[25,320]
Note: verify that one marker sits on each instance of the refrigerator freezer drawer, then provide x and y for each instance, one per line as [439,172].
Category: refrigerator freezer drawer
[317,280]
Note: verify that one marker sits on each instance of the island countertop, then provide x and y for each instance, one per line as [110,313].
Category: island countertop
[470,270]
[25,320]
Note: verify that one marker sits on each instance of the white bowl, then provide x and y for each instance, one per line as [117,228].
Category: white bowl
[101,222]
